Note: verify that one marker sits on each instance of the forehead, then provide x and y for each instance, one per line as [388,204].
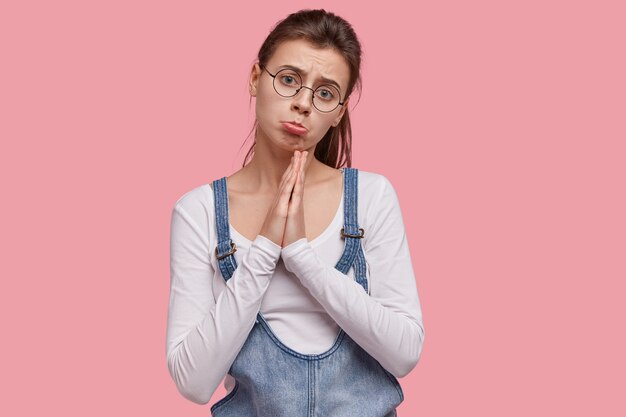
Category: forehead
[314,62]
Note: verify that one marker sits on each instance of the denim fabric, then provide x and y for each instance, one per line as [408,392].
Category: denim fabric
[272,380]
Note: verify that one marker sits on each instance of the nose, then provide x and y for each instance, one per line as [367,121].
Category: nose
[303,100]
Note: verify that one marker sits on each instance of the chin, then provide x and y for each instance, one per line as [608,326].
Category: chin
[292,139]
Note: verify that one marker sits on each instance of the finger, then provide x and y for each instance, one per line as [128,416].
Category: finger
[296,169]
[303,165]
[286,173]
[298,189]
[292,168]
[279,206]
[293,171]
[286,192]
[305,161]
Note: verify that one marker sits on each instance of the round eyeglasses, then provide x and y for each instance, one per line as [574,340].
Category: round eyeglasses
[288,83]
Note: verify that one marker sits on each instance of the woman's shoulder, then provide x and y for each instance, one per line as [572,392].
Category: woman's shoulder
[197,201]
[192,216]
[377,195]
[373,182]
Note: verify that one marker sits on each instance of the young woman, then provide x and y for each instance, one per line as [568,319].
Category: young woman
[292,278]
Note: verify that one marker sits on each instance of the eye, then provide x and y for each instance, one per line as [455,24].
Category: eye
[289,79]
[325,93]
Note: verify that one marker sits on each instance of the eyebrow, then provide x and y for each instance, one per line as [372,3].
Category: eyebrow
[300,70]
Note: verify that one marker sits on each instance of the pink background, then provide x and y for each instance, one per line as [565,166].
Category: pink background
[501,125]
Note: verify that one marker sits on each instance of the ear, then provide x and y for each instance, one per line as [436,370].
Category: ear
[255,73]
[341,112]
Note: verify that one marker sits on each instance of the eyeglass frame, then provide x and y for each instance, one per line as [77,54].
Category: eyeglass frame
[263,67]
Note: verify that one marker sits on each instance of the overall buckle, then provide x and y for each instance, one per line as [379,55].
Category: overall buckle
[233,249]
[359,236]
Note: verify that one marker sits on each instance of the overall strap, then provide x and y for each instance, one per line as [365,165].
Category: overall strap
[353,253]
[225,246]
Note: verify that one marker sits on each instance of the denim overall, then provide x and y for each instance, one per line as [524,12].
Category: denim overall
[272,380]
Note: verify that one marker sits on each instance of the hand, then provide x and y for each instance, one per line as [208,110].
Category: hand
[274,226]
[294,228]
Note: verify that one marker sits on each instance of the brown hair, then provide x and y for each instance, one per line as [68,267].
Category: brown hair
[324,30]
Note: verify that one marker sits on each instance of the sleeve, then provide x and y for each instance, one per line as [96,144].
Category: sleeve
[204,334]
[388,323]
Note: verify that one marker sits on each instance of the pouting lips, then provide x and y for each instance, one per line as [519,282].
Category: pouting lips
[293,128]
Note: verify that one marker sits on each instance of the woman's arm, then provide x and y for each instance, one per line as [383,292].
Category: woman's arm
[204,334]
[388,324]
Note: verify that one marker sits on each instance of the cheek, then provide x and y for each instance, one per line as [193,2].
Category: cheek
[326,122]
[319,125]
[267,108]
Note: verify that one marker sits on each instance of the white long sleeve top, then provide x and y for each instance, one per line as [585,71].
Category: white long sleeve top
[297,289]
